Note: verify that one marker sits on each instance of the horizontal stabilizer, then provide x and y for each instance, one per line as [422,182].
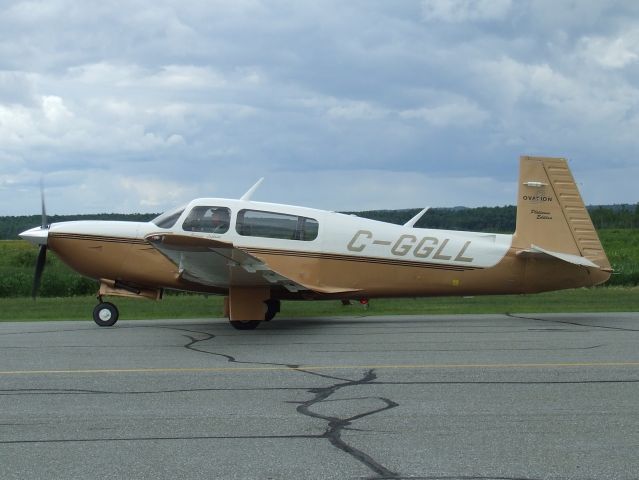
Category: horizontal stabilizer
[538,252]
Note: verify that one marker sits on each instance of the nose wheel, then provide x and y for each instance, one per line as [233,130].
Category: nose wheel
[105,314]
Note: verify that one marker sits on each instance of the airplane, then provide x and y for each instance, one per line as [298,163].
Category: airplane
[257,254]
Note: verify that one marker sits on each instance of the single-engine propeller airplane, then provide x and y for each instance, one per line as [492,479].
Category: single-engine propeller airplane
[257,254]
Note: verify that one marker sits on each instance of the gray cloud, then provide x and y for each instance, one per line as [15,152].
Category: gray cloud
[125,106]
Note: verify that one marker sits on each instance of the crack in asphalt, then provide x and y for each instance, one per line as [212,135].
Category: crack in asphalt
[138,439]
[64,391]
[466,350]
[565,322]
[335,425]
[509,382]
[5,334]
[229,358]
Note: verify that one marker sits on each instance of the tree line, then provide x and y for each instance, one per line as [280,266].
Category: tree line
[498,219]
[11,227]
[479,219]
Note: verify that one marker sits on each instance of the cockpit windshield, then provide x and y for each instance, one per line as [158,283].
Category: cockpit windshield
[168,218]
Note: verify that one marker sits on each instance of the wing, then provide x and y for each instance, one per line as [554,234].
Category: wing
[221,264]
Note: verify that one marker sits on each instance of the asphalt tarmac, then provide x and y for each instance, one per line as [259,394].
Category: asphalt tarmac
[530,396]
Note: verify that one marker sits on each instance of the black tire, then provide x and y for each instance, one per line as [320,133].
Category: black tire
[272,309]
[105,314]
[245,324]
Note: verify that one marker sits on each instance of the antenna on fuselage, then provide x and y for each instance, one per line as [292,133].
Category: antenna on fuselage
[249,193]
[413,221]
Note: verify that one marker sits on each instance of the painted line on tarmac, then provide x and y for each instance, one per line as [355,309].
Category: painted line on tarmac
[433,366]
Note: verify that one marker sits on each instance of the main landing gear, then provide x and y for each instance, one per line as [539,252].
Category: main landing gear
[105,314]
[272,309]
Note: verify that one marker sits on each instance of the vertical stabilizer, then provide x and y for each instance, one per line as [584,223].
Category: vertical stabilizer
[551,213]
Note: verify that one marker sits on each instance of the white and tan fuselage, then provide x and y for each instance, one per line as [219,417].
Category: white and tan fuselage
[351,257]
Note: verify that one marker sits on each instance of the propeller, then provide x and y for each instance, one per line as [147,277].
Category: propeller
[42,253]
[45,221]
[37,279]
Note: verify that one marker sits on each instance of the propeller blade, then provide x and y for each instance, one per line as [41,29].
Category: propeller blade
[45,220]
[42,258]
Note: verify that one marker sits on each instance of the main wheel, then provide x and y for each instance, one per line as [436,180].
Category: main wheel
[272,308]
[245,324]
[105,314]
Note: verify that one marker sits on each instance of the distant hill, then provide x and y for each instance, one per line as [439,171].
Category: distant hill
[480,219]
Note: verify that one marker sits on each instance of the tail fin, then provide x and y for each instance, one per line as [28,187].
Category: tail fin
[551,216]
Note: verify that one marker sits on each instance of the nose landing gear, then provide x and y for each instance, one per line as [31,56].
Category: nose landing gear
[105,314]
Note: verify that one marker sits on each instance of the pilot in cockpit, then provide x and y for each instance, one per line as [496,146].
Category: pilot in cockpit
[219,220]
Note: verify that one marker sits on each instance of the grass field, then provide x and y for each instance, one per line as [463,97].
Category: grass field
[602,299]
[622,249]
[17,265]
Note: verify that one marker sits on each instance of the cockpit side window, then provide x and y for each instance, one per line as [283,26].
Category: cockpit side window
[209,219]
[168,219]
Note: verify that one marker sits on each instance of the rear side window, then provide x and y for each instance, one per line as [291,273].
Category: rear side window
[207,219]
[257,223]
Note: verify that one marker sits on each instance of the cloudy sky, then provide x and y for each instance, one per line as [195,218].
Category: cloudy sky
[127,106]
